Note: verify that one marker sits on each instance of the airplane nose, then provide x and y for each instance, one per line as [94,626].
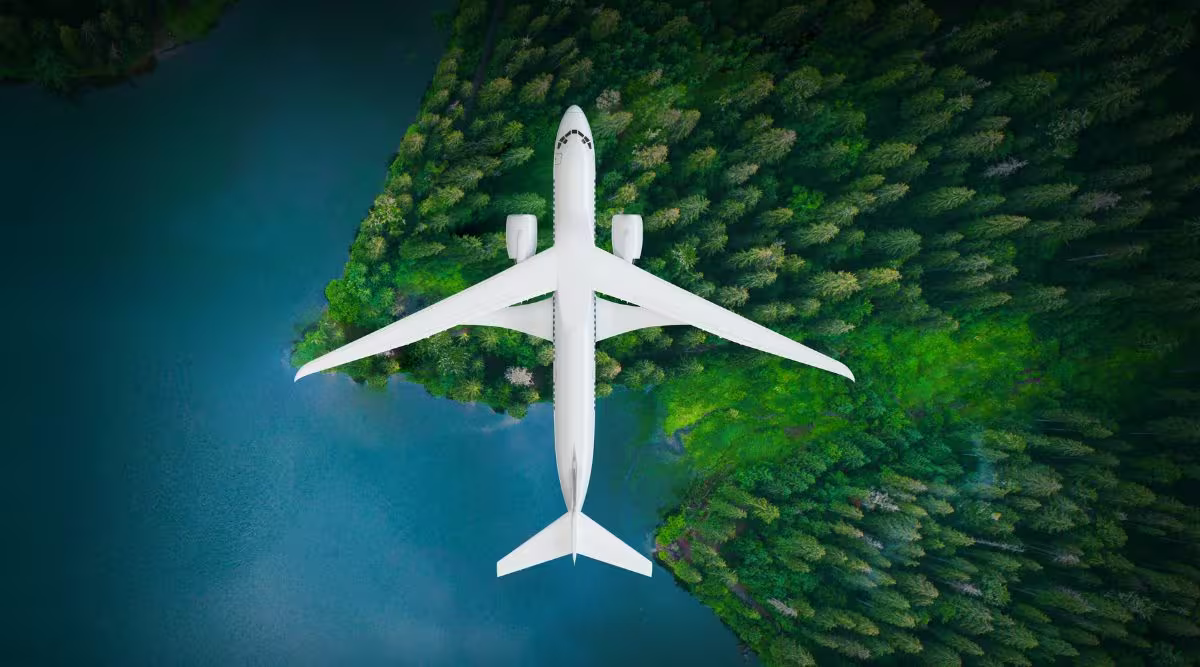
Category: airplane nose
[574,119]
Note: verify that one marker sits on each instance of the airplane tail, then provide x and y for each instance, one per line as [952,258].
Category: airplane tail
[573,533]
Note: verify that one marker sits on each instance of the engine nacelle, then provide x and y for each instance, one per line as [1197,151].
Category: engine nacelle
[521,236]
[627,236]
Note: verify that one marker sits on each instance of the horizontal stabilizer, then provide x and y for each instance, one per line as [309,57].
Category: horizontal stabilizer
[553,542]
[592,540]
[596,542]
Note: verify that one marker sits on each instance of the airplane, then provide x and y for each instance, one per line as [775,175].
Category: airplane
[574,319]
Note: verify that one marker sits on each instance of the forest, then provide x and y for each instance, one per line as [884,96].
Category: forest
[60,44]
[990,217]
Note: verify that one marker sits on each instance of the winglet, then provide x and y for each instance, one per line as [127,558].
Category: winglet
[845,372]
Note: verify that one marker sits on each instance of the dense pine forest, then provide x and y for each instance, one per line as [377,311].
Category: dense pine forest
[991,219]
[61,43]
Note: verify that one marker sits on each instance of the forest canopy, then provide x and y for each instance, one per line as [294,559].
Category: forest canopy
[990,218]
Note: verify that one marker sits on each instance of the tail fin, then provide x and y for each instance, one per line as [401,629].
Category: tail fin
[557,540]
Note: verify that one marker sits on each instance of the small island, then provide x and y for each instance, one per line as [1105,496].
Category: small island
[992,219]
[64,44]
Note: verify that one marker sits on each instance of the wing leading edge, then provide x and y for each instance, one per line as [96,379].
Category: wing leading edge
[614,276]
[532,277]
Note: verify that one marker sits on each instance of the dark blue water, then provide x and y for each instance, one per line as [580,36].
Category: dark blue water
[169,496]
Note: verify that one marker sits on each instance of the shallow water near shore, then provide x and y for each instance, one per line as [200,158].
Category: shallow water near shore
[170,496]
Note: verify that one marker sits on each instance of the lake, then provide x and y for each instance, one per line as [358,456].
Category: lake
[170,497]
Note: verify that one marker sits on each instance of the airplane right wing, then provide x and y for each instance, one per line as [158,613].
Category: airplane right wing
[614,276]
[532,277]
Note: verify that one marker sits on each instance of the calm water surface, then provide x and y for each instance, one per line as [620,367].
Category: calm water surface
[169,496]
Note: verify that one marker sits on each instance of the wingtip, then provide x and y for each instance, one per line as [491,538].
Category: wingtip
[843,370]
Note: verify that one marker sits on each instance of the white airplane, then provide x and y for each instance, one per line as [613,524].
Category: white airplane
[574,269]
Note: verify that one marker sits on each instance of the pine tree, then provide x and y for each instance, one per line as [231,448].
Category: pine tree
[534,91]
[798,86]
[834,285]
[942,200]
[896,244]
[771,146]
[995,226]
[888,155]
[610,125]
[700,160]
[816,234]
[493,93]
[605,24]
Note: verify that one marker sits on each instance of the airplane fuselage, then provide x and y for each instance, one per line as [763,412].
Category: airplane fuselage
[574,309]
[574,319]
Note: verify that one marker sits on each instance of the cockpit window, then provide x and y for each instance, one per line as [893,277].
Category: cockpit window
[587,141]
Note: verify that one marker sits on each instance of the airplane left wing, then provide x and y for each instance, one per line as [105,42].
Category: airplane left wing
[614,276]
[532,277]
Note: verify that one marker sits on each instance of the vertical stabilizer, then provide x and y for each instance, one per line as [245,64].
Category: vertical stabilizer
[574,535]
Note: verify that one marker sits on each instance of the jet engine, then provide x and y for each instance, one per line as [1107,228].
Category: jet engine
[521,236]
[627,236]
